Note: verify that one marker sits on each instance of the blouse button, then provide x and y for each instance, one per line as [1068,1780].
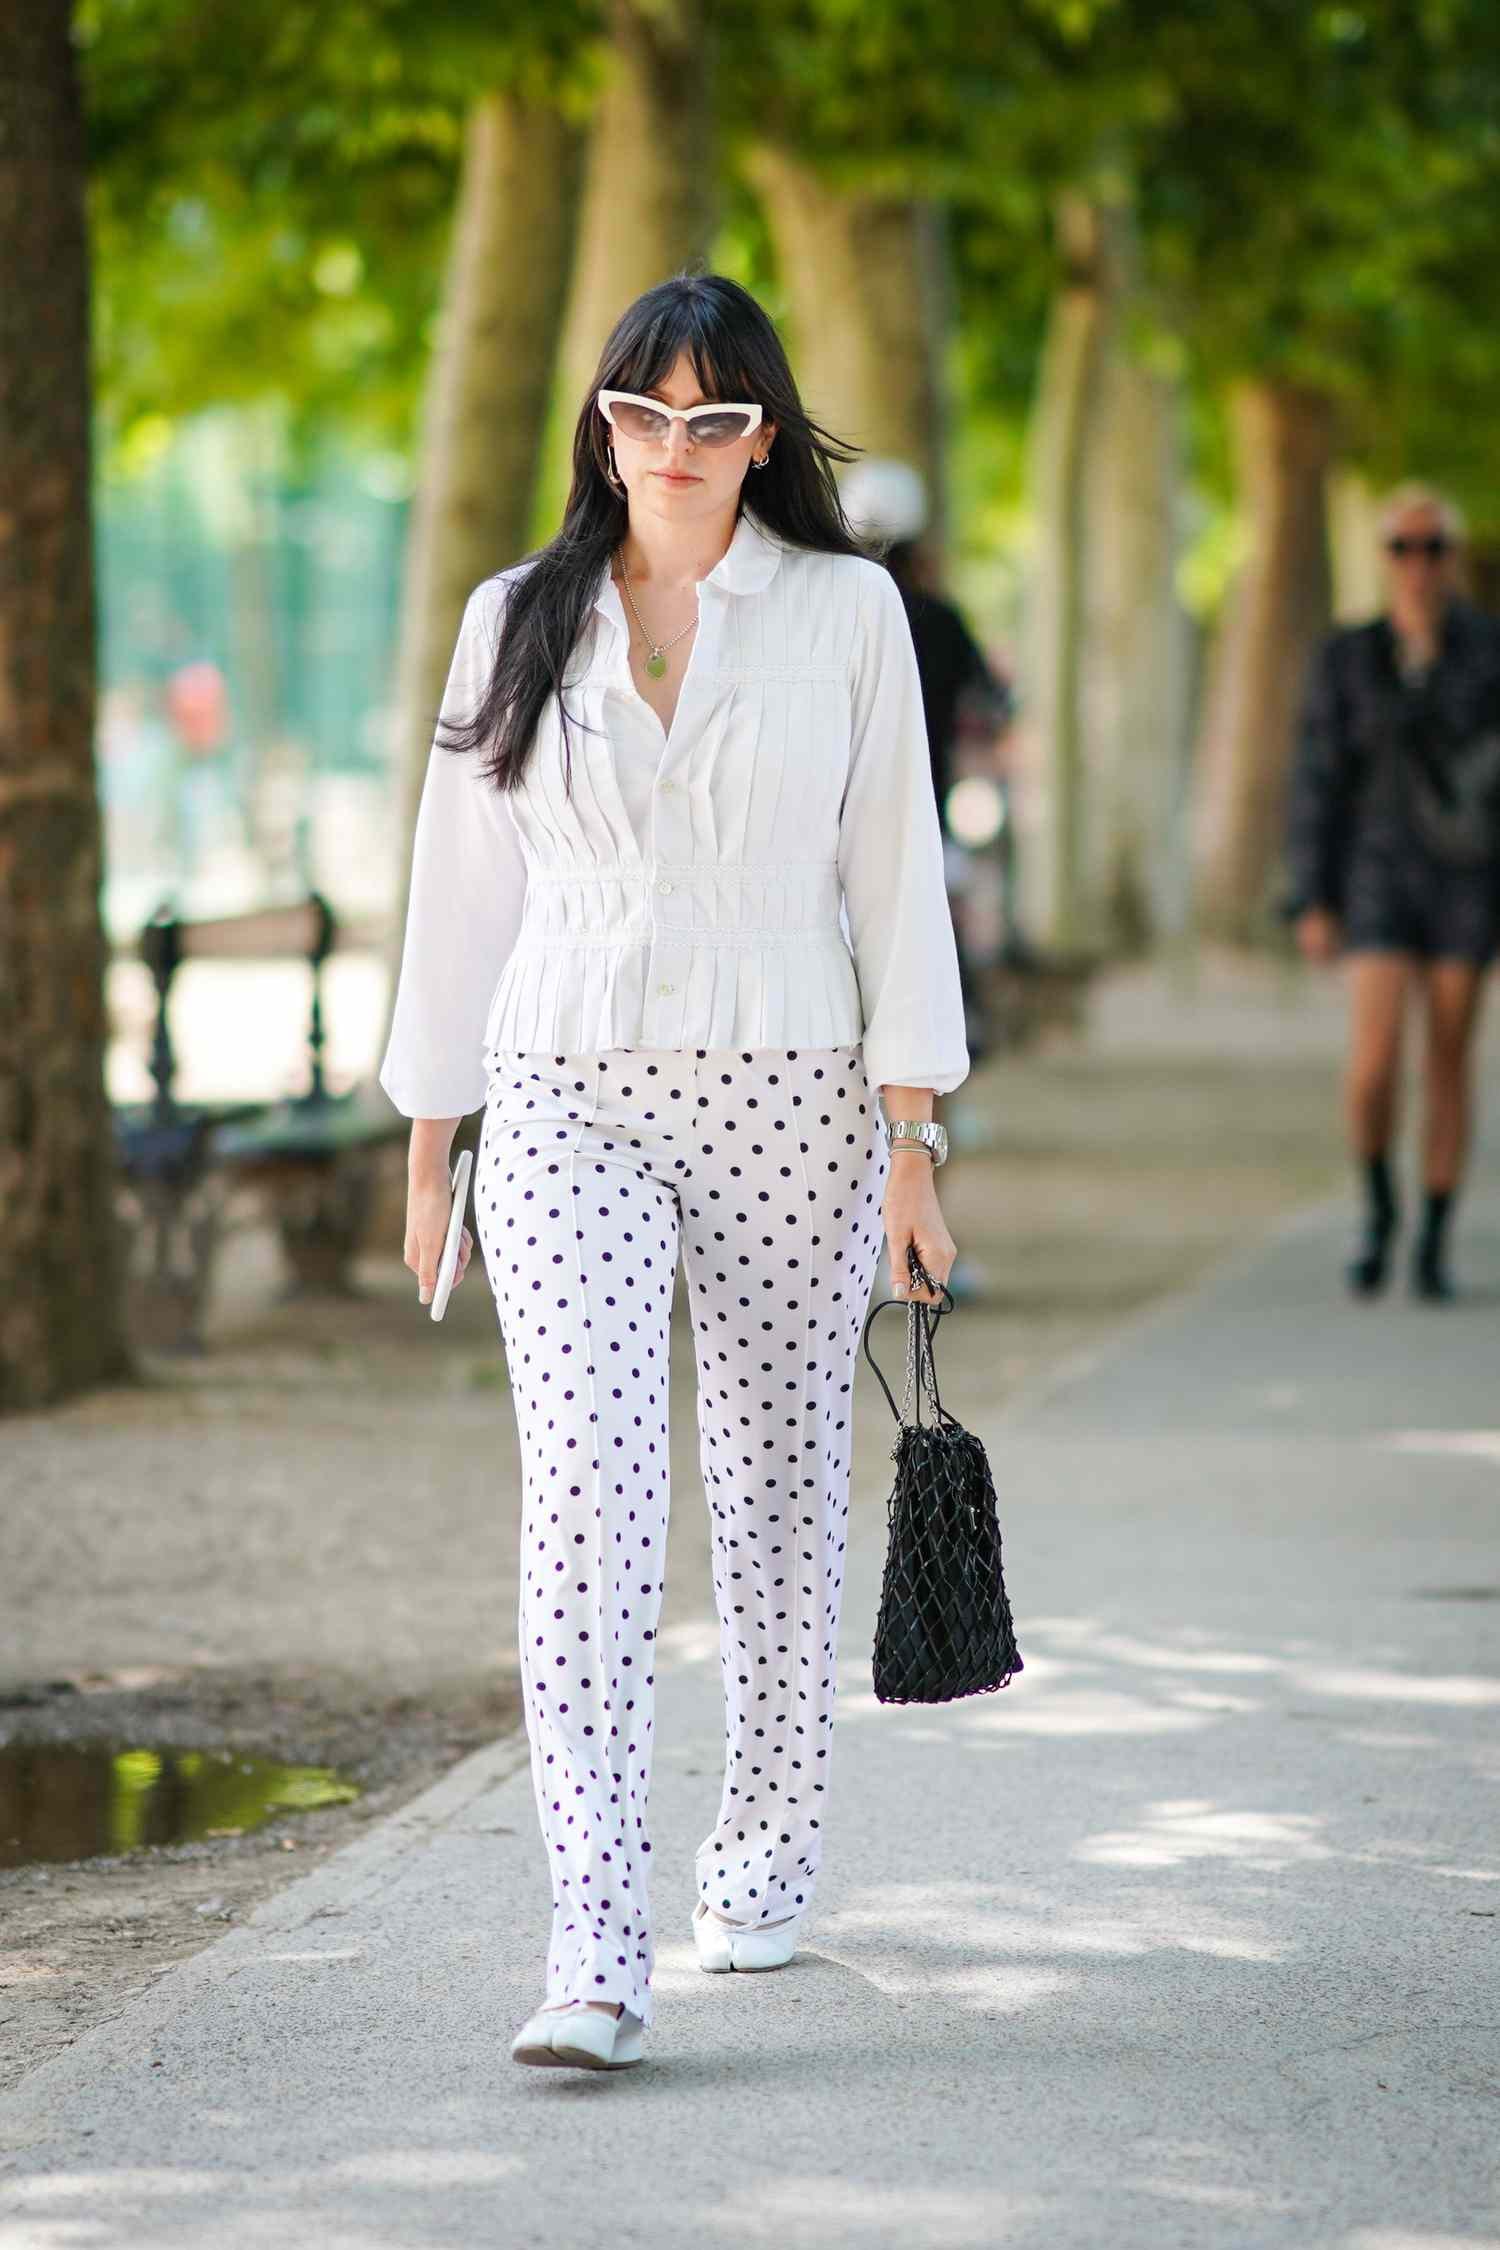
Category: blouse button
[664,886]
[666,988]
[667,785]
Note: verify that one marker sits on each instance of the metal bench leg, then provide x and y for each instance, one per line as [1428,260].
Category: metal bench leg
[322,1213]
[174,1231]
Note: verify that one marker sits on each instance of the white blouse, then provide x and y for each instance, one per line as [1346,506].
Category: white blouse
[767,874]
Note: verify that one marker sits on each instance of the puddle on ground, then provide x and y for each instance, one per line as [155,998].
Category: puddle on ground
[62,1801]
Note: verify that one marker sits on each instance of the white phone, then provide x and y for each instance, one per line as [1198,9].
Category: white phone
[448,1263]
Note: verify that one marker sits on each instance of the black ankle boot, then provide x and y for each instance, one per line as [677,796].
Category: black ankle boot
[1430,1278]
[1368,1269]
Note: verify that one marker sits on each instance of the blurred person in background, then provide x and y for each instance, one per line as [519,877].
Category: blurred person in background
[137,760]
[206,806]
[886,502]
[1394,850]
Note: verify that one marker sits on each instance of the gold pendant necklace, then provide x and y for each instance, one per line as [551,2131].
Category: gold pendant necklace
[656,661]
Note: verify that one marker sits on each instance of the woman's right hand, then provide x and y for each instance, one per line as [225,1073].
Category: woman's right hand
[1318,934]
[429,1200]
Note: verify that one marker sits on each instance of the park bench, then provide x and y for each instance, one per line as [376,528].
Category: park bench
[311,1159]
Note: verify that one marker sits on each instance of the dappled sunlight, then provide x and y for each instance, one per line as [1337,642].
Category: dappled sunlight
[114,2206]
[321,1954]
[1079,1711]
[695,1641]
[1009,1948]
[1158,1657]
[1175,2160]
[1005,1988]
[1482,1445]
[934,1911]
[1280,1397]
[57,2188]
[1208,2195]
[1034,1702]
[426,2168]
[1387,1738]
[830,2207]
[1457,1690]
[1191,1648]
[1179,1829]
[1085,1711]
[1415,2238]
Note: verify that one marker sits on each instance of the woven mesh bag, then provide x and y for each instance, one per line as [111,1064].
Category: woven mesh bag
[944,1629]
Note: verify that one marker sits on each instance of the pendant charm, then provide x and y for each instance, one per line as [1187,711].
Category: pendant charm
[656,664]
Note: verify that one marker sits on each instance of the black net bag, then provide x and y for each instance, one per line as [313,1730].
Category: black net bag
[944,1629]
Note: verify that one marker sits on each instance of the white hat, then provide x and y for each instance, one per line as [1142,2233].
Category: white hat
[885,498]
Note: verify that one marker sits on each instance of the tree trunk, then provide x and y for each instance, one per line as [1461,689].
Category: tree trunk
[650,202]
[1283,442]
[61,1320]
[1051,859]
[1134,662]
[484,411]
[1354,545]
[867,286]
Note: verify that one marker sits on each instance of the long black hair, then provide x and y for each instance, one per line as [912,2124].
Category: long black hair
[736,354]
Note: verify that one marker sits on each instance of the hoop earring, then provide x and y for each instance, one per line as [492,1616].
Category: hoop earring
[762,463]
[613,471]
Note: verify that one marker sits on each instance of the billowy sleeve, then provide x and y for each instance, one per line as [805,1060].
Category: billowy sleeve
[468,885]
[891,860]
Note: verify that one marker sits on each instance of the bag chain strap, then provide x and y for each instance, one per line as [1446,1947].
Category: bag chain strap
[921,1368]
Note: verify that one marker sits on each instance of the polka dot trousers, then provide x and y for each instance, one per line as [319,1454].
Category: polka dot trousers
[766,1171]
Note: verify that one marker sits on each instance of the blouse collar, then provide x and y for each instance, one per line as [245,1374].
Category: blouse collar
[747,566]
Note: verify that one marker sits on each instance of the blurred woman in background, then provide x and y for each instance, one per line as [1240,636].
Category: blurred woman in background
[1394,847]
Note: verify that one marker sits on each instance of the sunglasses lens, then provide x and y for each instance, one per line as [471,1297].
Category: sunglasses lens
[1433,549]
[720,429]
[638,421]
[647,425]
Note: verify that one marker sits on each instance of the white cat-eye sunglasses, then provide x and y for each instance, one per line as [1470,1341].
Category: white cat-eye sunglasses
[646,419]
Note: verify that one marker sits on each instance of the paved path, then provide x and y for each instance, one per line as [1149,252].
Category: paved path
[1187,1938]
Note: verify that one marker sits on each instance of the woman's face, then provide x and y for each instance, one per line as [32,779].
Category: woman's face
[1421,557]
[674,480]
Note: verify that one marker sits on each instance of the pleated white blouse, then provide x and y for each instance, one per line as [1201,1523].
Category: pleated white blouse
[767,874]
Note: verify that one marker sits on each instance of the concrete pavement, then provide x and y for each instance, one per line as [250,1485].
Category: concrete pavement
[1190,1937]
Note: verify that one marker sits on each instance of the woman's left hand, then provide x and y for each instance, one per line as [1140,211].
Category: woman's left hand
[910,1213]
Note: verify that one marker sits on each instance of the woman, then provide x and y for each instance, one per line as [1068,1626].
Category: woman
[1394,844]
[676,913]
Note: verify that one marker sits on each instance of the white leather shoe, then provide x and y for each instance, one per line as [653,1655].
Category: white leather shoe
[586,2038]
[720,1947]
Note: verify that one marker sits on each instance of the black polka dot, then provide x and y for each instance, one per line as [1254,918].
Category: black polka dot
[586,1199]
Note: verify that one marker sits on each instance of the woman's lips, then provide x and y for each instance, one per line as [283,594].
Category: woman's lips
[668,477]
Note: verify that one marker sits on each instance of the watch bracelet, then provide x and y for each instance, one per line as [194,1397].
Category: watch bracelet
[913,1140]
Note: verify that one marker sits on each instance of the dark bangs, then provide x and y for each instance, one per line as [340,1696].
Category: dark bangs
[736,354]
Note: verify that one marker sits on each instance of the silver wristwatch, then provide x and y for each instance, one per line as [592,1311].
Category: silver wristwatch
[934,1138]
